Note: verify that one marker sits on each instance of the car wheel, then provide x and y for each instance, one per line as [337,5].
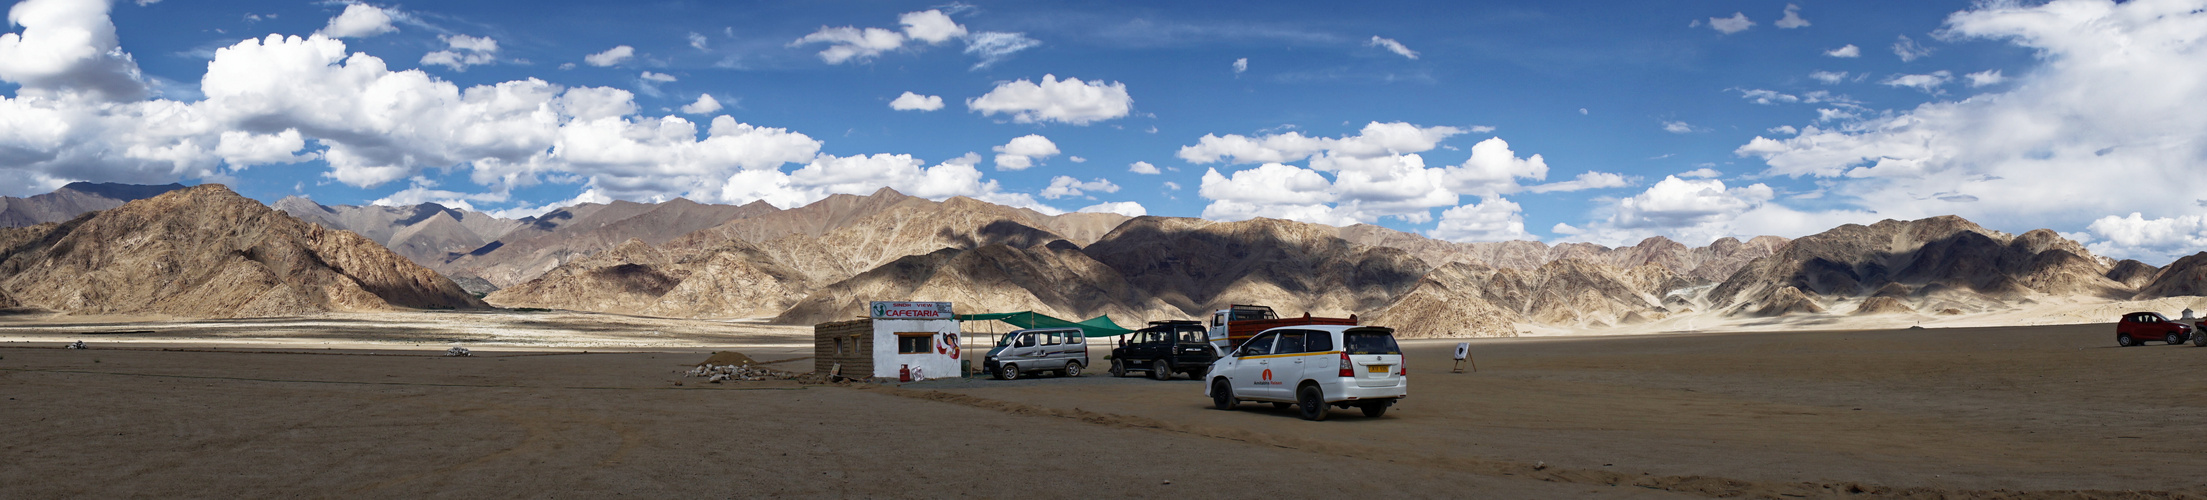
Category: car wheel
[2123,340]
[1073,369]
[1313,402]
[1007,372]
[1375,409]
[1222,395]
[1117,369]
[2199,340]
[2174,339]
[1160,370]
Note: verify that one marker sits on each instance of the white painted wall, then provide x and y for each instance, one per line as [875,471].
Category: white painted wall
[932,365]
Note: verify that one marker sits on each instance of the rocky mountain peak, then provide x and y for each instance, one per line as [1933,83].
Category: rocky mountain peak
[73,200]
[205,251]
[2185,277]
[296,203]
[1944,258]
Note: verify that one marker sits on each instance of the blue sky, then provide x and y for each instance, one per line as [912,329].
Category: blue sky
[1559,121]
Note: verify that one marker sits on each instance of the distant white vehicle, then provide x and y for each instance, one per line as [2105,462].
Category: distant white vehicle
[1313,367]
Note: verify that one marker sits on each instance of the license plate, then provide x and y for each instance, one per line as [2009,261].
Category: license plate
[1379,368]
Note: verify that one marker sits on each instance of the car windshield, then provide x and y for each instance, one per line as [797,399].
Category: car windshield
[1370,342]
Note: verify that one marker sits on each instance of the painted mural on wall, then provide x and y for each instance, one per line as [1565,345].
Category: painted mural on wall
[936,358]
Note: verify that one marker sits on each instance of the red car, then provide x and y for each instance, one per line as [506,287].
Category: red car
[2138,327]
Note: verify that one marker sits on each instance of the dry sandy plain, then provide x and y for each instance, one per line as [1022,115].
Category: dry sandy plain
[574,405]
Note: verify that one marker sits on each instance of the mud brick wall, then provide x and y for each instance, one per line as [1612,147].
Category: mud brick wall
[858,347]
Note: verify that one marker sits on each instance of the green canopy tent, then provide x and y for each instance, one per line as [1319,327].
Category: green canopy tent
[1100,326]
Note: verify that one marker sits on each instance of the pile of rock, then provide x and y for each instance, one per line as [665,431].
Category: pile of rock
[744,372]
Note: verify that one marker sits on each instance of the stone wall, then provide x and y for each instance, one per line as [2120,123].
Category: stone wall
[856,339]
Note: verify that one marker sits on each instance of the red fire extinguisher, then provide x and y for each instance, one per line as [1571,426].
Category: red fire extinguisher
[904,373]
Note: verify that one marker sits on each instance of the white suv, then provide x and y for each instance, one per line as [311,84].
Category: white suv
[1313,367]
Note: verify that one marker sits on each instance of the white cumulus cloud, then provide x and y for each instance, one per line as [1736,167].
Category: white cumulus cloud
[1927,83]
[705,104]
[1376,173]
[1792,18]
[1585,181]
[360,20]
[1271,190]
[463,51]
[1144,168]
[1496,219]
[1022,151]
[920,29]
[915,102]
[1064,185]
[1699,211]
[279,100]
[245,149]
[67,49]
[931,26]
[612,56]
[1064,101]
[1729,25]
[1848,52]
[1986,77]
[2114,94]
[863,174]
[2156,241]
[1126,208]
[1374,140]
[849,43]
[1675,202]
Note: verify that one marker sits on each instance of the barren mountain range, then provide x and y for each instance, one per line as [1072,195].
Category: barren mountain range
[426,233]
[204,251]
[73,199]
[823,261]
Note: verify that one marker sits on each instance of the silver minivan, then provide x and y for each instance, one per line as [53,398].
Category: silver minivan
[1060,350]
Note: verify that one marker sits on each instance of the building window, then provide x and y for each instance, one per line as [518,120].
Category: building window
[915,342]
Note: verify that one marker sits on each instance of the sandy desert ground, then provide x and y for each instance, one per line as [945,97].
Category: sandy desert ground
[558,404]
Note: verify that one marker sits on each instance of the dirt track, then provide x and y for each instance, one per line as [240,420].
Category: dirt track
[1932,413]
